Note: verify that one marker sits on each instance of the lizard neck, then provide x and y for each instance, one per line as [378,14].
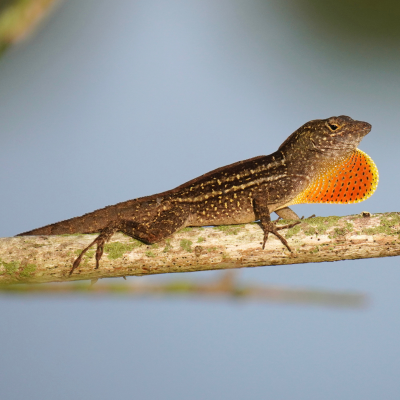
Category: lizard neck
[308,161]
[305,163]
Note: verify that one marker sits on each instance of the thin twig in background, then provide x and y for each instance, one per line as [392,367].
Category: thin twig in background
[225,287]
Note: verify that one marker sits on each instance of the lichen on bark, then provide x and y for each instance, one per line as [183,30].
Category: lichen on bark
[39,259]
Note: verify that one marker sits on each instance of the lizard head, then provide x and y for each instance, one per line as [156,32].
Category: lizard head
[325,164]
[326,138]
[334,132]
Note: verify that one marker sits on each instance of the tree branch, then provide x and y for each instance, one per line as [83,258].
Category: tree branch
[40,259]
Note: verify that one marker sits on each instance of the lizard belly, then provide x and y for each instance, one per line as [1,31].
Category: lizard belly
[216,217]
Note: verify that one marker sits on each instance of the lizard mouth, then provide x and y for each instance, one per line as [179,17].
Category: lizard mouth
[362,129]
[365,127]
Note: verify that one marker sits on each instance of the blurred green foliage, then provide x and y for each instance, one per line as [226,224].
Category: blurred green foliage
[18,18]
[360,19]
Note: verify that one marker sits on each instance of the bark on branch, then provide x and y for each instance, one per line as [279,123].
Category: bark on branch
[40,259]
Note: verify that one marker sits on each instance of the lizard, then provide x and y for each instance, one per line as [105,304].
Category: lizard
[318,163]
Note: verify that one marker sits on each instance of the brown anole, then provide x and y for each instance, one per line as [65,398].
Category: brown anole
[318,163]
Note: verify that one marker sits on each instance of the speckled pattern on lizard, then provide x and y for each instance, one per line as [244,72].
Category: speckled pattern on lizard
[318,163]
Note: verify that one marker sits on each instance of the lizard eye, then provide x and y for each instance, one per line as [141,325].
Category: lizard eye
[333,127]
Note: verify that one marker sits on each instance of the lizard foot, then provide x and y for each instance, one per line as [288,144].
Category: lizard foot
[271,227]
[100,241]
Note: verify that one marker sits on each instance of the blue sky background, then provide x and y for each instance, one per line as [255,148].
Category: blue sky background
[114,100]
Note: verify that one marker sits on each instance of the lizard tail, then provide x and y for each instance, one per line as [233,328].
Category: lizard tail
[88,223]
[95,221]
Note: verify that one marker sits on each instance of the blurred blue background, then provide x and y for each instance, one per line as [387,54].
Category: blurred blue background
[114,100]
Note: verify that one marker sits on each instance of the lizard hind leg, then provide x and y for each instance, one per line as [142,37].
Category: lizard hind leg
[101,240]
[164,224]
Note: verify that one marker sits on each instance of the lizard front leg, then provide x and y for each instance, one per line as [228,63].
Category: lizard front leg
[286,213]
[261,210]
[164,224]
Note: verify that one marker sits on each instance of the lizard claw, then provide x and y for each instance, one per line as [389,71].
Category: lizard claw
[265,239]
[274,229]
[77,262]
[99,252]
[101,240]
[278,228]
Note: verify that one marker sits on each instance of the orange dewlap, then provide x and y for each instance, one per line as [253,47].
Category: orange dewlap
[353,180]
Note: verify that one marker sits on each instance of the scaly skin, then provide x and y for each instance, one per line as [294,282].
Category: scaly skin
[238,193]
